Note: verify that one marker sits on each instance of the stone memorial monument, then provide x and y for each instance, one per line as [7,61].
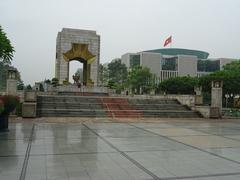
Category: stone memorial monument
[79,45]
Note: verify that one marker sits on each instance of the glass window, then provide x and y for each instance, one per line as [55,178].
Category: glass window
[134,60]
[208,65]
[169,64]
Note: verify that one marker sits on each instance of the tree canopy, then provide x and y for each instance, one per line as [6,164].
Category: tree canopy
[117,71]
[103,75]
[233,66]
[178,85]
[6,49]
[140,77]
[230,75]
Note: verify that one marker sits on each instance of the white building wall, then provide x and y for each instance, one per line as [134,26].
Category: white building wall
[152,61]
[187,65]
[125,59]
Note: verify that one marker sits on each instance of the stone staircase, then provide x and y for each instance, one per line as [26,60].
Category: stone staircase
[69,106]
[103,106]
[163,108]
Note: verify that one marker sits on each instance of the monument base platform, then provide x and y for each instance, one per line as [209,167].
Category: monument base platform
[82,91]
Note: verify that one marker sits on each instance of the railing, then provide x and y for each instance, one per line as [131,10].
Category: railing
[165,74]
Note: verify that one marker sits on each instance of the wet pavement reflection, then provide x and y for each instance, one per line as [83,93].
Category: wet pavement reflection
[121,151]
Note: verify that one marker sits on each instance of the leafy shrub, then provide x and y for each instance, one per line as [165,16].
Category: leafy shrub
[178,85]
[10,102]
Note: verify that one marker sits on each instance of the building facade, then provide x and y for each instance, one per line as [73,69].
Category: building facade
[174,62]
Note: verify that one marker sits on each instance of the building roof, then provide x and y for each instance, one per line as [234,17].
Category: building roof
[179,51]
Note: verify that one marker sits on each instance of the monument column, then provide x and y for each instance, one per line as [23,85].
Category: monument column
[198,95]
[12,82]
[216,99]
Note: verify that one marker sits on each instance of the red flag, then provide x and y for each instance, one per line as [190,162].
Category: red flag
[168,41]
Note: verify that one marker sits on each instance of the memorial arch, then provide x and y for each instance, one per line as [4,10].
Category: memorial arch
[80,45]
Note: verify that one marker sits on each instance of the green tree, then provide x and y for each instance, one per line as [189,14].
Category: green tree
[103,75]
[233,66]
[178,85]
[41,87]
[47,81]
[55,82]
[140,77]
[20,85]
[6,49]
[230,78]
[29,87]
[117,71]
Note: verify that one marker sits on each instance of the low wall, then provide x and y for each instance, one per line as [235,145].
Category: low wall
[73,88]
[188,100]
[204,110]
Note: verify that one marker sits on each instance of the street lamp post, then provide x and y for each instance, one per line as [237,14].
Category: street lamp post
[226,97]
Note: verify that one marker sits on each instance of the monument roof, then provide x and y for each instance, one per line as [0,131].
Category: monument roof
[179,51]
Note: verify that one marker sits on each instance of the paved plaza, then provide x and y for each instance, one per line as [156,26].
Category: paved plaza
[171,149]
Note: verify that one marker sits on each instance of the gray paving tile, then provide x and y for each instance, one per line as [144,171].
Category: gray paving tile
[176,131]
[212,141]
[229,177]
[236,137]
[230,153]
[62,131]
[219,130]
[108,125]
[68,145]
[17,131]
[153,125]
[111,166]
[72,151]
[123,132]
[167,164]
[13,147]
[10,167]
[145,144]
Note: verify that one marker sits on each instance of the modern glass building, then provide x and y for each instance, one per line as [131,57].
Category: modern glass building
[173,62]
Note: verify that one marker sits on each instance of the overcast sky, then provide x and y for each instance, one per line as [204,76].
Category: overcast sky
[124,26]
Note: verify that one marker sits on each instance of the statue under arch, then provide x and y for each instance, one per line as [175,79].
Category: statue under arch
[80,45]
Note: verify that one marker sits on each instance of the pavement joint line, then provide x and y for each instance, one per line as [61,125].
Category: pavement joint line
[155,177]
[210,134]
[237,162]
[215,134]
[69,154]
[80,153]
[15,155]
[202,176]
[25,163]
